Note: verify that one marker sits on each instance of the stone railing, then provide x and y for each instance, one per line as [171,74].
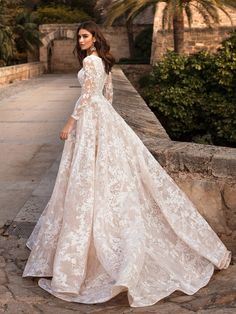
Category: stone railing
[206,173]
[24,71]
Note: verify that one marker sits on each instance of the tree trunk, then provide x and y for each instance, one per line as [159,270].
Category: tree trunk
[178,29]
[129,27]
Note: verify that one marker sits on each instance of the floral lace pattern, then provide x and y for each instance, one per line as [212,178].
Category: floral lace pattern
[116,221]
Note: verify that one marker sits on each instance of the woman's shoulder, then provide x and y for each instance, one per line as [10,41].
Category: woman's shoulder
[91,57]
[92,62]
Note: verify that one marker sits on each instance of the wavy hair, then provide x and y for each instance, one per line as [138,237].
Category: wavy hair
[102,46]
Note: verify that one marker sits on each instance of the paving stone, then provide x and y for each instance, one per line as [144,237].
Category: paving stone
[17,279]
[220,293]
[165,308]
[31,294]
[2,261]
[218,311]
[45,309]
[3,277]
[20,308]
[5,295]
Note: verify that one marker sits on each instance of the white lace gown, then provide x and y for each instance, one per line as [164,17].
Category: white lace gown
[116,221]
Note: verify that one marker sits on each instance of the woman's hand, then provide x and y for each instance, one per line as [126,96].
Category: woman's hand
[67,128]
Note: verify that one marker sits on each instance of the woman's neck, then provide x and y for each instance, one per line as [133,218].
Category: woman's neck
[92,53]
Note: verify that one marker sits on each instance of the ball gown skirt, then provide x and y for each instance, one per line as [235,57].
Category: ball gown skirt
[116,221]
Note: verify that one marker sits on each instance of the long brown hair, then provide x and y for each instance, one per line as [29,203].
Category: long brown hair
[102,46]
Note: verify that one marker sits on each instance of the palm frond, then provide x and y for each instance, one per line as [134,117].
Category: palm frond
[189,14]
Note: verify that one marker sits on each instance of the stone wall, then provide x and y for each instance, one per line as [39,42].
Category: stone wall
[135,71]
[59,42]
[24,71]
[194,41]
[62,59]
[206,173]
[197,38]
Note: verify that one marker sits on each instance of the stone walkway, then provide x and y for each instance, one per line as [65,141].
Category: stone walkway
[22,295]
[31,115]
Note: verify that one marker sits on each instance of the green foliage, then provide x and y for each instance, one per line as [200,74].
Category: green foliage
[6,45]
[27,35]
[48,15]
[195,96]
[86,6]
[6,37]
[60,14]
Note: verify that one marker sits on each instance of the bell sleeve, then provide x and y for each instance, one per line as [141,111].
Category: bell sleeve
[88,87]
[108,88]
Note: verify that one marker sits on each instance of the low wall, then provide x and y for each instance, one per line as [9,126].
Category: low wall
[135,71]
[206,173]
[24,71]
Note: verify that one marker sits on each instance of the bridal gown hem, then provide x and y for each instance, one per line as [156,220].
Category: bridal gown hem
[116,221]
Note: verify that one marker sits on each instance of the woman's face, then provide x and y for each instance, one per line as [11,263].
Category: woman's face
[86,39]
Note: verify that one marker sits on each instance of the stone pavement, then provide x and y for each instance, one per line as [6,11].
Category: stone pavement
[31,115]
[22,295]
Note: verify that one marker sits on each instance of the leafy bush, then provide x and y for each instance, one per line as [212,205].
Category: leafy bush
[87,6]
[60,14]
[195,96]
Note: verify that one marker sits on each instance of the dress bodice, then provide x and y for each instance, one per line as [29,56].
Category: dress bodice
[95,82]
[99,75]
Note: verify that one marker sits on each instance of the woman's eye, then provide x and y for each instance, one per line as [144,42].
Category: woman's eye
[83,36]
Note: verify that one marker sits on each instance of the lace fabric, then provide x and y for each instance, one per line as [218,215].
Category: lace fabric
[92,83]
[116,221]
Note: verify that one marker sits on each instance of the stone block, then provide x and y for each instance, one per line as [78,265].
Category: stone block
[3,277]
[229,196]
[15,307]
[20,72]
[224,165]
[206,196]
[28,294]
[5,295]
[2,261]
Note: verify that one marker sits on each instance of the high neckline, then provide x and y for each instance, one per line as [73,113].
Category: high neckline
[94,56]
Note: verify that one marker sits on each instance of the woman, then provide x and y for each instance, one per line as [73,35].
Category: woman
[116,221]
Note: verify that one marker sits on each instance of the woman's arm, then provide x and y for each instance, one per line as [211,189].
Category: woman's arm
[68,127]
[88,88]
[108,88]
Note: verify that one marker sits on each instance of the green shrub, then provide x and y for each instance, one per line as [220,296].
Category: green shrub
[194,96]
[60,14]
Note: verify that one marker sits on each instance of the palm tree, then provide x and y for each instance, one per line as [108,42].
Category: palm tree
[173,13]
[6,45]
[6,38]
[27,33]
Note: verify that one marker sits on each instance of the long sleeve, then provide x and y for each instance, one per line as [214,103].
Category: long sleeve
[108,88]
[89,87]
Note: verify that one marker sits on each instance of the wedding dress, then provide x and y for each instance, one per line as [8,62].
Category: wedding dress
[116,221]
